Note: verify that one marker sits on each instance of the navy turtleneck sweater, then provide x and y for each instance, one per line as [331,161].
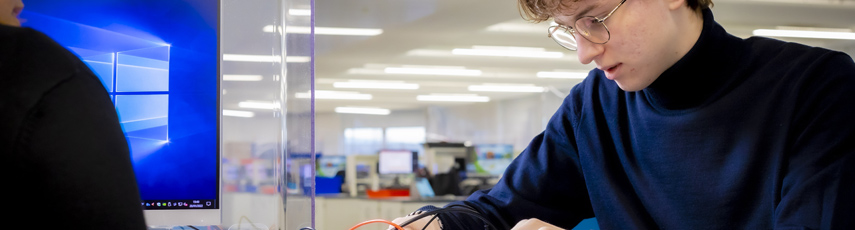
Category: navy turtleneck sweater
[738,134]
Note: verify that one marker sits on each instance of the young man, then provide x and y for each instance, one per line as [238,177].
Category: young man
[681,126]
[66,161]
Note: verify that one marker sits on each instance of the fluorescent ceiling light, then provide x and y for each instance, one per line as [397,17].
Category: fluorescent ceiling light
[807,32]
[571,75]
[507,88]
[357,110]
[517,27]
[433,71]
[327,30]
[237,113]
[265,58]
[251,58]
[300,12]
[337,95]
[357,84]
[231,77]
[508,51]
[269,28]
[297,59]
[429,53]
[258,105]
[453,98]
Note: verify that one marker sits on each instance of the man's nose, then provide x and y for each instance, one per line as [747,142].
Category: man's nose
[587,51]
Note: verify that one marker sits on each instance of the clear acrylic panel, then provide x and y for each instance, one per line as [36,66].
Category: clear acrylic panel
[298,86]
[267,115]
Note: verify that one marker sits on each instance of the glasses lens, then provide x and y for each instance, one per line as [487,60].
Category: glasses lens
[563,37]
[592,29]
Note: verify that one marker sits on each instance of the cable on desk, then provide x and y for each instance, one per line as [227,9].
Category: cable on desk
[461,209]
[378,221]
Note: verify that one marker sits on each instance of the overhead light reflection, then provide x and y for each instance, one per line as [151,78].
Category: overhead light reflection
[453,98]
[233,77]
[358,110]
[359,84]
[325,30]
[805,34]
[563,74]
[508,51]
[336,95]
[433,71]
[258,105]
[507,88]
[238,113]
[300,12]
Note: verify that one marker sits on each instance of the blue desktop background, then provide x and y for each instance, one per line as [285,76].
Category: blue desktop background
[175,154]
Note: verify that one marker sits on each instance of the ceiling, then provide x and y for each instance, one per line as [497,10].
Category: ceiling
[423,32]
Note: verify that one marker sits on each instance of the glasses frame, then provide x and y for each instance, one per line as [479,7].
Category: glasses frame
[552,29]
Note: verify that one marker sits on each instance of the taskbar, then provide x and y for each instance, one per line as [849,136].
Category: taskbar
[179,204]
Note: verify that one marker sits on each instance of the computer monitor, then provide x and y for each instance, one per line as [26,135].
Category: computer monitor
[492,159]
[159,62]
[397,162]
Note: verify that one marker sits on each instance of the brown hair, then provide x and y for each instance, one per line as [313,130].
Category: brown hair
[542,10]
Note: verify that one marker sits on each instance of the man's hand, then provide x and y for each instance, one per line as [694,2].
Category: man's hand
[419,224]
[534,224]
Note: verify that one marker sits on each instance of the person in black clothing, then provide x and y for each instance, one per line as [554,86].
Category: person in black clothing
[681,126]
[67,163]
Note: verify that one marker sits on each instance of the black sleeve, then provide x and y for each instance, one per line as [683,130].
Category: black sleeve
[817,190]
[72,161]
[545,181]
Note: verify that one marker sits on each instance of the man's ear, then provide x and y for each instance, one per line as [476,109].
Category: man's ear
[675,4]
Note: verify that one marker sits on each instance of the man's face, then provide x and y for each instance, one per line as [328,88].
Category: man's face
[9,10]
[640,47]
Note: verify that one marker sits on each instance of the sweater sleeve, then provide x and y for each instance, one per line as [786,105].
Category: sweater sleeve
[818,176]
[545,181]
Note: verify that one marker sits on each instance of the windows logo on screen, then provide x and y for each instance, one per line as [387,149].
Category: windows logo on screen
[134,70]
[138,82]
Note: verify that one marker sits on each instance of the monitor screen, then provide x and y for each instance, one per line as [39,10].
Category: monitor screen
[158,60]
[396,162]
[492,159]
[330,166]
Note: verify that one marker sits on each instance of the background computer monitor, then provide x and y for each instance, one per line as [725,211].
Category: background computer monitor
[397,162]
[492,159]
[159,62]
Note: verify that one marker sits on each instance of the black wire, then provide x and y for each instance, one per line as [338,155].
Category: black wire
[478,215]
[451,209]
[192,227]
[429,221]
[472,209]
[472,212]
[420,216]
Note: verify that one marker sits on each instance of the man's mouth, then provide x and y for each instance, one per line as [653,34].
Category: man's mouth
[17,11]
[611,68]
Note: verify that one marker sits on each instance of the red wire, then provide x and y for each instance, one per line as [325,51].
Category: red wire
[378,221]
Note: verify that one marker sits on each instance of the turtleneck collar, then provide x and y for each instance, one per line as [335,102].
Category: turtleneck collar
[703,74]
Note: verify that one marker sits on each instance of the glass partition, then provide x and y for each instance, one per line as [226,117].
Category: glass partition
[267,124]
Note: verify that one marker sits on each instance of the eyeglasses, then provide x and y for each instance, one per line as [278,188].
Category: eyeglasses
[591,28]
